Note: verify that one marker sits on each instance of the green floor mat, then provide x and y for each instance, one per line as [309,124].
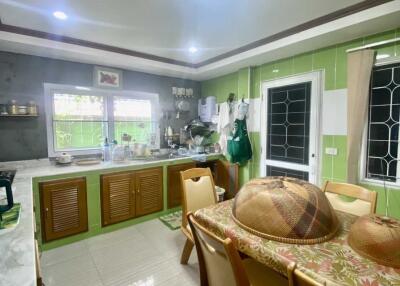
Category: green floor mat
[10,218]
[172,220]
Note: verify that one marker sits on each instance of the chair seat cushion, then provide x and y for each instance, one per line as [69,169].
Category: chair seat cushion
[260,274]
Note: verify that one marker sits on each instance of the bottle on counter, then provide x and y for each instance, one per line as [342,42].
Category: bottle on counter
[106,151]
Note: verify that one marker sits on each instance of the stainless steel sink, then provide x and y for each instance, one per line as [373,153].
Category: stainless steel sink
[159,157]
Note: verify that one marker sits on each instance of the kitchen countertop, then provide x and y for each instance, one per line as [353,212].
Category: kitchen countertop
[17,248]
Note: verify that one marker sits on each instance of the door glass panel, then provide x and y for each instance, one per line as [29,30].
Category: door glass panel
[275,171]
[288,127]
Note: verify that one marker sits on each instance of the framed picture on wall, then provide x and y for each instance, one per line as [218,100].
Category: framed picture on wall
[107,77]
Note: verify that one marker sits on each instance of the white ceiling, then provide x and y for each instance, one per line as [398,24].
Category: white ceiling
[168,28]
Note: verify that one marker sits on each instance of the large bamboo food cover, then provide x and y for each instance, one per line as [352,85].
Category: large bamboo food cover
[285,209]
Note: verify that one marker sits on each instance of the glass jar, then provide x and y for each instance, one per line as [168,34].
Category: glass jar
[12,107]
[32,108]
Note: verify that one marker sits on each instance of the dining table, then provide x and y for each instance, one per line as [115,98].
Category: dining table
[332,262]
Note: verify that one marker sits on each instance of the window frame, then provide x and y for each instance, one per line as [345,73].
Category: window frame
[315,147]
[364,145]
[108,96]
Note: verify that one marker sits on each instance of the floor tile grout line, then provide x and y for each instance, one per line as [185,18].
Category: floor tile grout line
[139,269]
[63,264]
[66,260]
[99,249]
[165,253]
[95,265]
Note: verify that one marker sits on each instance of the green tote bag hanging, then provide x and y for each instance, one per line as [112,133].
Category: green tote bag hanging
[239,147]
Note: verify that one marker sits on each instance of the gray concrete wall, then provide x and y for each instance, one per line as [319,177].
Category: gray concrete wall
[22,78]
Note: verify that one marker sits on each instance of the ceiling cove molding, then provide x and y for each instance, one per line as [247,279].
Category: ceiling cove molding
[361,6]
[297,29]
[88,44]
[22,44]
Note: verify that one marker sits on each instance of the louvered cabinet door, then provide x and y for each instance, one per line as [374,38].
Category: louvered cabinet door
[118,197]
[149,191]
[63,208]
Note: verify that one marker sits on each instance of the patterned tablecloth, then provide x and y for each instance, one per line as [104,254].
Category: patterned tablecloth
[333,261]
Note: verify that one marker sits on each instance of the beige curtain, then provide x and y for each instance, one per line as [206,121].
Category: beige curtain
[359,68]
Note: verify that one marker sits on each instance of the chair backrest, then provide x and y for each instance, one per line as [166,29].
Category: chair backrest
[299,278]
[364,203]
[219,261]
[198,191]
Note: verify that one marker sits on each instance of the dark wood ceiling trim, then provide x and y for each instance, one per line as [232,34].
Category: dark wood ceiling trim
[286,33]
[300,28]
[89,44]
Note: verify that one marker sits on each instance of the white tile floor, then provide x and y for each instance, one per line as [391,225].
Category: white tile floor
[146,254]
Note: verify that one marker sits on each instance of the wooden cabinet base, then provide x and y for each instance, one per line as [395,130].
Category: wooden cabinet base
[63,208]
[117,197]
[149,191]
[131,194]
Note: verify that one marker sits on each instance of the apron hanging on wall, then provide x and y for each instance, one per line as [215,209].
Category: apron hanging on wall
[239,147]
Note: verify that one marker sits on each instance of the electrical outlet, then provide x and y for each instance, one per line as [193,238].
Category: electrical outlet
[331,151]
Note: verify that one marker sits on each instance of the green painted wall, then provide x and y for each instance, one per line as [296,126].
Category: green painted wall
[333,61]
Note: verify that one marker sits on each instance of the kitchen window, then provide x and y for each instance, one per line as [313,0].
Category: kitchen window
[134,117]
[79,118]
[382,148]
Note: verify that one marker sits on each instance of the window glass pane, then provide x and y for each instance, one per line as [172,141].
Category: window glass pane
[131,109]
[78,121]
[275,171]
[383,124]
[141,132]
[289,123]
[78,134]
[78,107]
[134,117]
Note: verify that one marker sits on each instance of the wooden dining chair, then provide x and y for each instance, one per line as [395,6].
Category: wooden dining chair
[198,191]
[364,203]
[299,278]
[221,265]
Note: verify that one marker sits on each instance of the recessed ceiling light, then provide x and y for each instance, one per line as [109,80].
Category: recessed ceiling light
[60,15]
[193,50]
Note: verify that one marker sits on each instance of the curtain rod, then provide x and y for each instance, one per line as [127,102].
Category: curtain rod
[381,43]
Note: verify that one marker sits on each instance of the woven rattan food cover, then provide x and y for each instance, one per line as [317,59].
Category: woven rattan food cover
[285,209]
[377,238]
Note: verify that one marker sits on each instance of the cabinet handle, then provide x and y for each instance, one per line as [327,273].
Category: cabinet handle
[138,191]
[47,211]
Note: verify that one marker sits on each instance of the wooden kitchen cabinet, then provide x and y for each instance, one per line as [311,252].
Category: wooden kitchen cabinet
[131,194]
[63,208]
[174,183]
[149,191]
[117,197]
